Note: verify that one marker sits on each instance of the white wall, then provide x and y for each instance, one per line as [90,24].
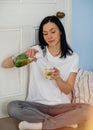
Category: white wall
[19,21]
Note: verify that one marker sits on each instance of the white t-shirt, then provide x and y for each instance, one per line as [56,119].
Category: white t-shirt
[46,91]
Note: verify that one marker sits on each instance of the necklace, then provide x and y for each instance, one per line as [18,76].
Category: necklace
[55,53]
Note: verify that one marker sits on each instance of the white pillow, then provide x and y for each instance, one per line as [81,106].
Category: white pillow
[83,89]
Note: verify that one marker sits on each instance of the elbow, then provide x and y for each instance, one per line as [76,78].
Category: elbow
[4,65]
[68,89]
[67,92]
[7,63]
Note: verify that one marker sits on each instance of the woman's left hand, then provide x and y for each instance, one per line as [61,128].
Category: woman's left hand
[55,74]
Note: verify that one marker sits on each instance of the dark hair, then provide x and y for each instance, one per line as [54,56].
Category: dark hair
[65,48]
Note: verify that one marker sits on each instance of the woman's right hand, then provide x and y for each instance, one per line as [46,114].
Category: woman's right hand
[31,52]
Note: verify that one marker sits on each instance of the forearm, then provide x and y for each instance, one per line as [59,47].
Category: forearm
[8,63]
[64,86]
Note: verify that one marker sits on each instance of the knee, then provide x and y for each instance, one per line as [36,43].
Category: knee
[11,108]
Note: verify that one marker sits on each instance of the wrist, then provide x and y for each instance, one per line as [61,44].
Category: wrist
[58,78]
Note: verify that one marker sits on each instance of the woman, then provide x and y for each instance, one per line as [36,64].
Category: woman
[48,105]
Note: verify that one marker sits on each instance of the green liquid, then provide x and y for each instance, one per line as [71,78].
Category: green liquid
[22,60]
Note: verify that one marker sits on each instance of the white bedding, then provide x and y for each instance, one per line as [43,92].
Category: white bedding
[83,89]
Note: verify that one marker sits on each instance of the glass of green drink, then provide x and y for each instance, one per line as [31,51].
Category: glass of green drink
[47,71]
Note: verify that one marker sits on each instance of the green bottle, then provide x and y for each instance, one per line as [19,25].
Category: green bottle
[22,60]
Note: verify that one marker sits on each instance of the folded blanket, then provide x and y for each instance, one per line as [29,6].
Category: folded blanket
[83,88]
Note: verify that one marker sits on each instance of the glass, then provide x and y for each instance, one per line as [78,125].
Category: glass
[47,71]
